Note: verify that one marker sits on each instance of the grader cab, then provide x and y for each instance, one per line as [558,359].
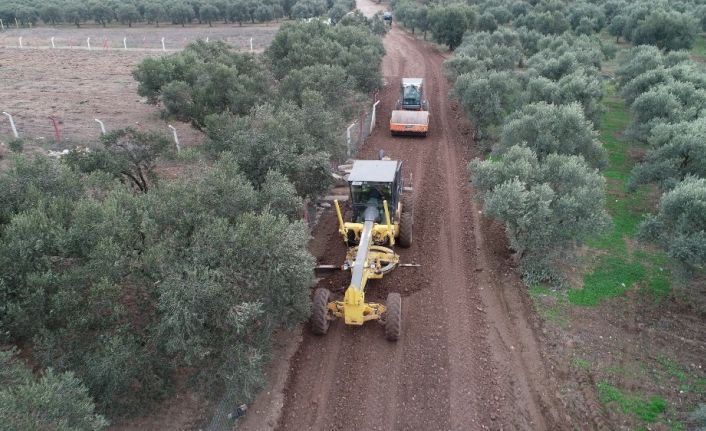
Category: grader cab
[381,217]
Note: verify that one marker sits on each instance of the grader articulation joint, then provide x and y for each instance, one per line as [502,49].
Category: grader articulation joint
[381,218]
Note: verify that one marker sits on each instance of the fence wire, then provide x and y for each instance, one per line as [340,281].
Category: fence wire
[58,134]
[357,132]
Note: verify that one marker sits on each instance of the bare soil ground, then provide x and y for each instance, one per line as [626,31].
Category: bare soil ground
[76,86]
[469,357]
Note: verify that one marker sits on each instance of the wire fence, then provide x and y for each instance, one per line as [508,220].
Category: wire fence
[59,134]
[357,132]
[147,43]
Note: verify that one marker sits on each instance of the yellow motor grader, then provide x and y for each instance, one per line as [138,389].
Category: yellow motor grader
[381,217]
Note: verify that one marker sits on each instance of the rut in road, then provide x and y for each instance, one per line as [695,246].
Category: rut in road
[468,358]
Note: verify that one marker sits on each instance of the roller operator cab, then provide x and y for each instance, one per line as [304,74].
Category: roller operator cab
[412,92]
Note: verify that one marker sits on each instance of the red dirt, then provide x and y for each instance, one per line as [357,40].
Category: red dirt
[468,357]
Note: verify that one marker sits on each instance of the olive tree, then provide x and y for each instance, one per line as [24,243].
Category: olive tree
[181,13]
[50,401]
[665,103]
[678,151]
[51,13]
[129,154]
[680,224]
[487,100]
[449,23]
[203,79]
[487,22]
[128,13]
[101,13]
[669,30]
[553,129]
[549,205]
[287,139]
[209,13]
[155,12]
[76,13]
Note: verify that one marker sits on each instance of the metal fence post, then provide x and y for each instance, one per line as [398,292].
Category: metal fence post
[251,44]
[176,138]
[12,124]
[52,42]
[163,47]
[102,126]
[57,132]
[372,120]
[88,43]
[125,43]
[2,25]
[20,41]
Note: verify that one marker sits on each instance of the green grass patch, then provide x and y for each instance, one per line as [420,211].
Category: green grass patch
[556,312]
[612,278]
[686,382]
[581,364]
[617,271]
[644,409]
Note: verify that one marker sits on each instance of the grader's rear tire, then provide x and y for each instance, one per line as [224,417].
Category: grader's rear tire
[406,223]
[319,315]
[393,317]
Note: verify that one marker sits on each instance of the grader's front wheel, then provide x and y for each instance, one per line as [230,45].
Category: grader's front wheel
[319,314]
[406,223]
[393,317]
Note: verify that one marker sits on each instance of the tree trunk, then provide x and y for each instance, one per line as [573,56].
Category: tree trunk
[209,24]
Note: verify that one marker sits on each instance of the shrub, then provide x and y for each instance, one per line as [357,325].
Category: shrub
[16,145]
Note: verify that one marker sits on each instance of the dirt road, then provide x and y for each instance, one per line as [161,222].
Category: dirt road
[468,358]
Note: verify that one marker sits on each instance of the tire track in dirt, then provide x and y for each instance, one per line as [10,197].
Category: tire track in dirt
[468,358]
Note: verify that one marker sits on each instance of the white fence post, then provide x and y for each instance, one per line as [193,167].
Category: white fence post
[125,43]
[163,47]
[251,44]
[17,24]
[372,121]
[52,42]
[20,41]
[88,42]
[102,126]
[2,25]
[206,39]
[12,124]
[176,138]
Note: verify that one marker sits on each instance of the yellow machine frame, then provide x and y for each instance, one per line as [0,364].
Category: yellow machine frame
[366,261]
